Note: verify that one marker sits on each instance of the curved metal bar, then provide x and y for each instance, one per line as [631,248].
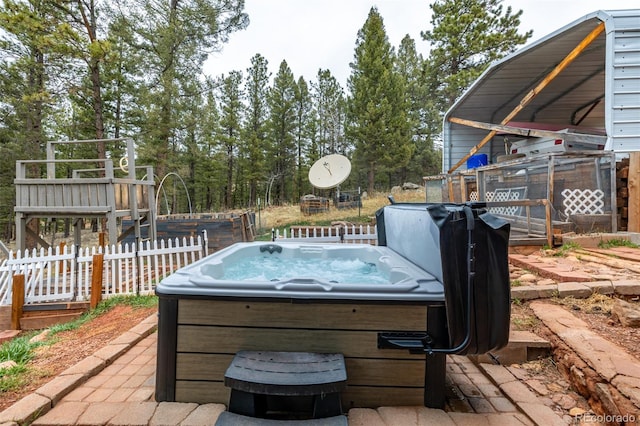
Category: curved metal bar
[183,185]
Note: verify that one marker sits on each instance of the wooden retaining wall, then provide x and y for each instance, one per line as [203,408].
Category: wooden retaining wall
[223,230]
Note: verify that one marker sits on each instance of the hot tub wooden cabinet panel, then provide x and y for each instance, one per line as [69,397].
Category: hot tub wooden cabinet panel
[198,337]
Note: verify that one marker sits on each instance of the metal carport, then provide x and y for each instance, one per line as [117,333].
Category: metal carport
[599,88]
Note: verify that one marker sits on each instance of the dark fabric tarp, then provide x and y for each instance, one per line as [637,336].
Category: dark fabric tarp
[490,294]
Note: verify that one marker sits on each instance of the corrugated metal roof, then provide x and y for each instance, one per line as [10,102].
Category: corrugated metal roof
[599,89]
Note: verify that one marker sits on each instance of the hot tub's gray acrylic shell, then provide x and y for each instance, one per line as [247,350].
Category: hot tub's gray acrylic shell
[207,276]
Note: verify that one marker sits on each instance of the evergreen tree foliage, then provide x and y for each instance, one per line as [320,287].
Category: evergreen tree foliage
[33,59]
[90,46]
[134,68]
[330,106]
[230,128]
[304,135]
[281,150]
[194,114]
[253,148]
[377,107]
[176,37]
[32,56]
[208,168]
[466,36]
[426,160]
[122,81]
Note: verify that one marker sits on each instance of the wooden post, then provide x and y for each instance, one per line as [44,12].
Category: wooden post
[102,239]
[633,188]
[450,189]
[534,92]
[96,280]
[463,189]
[243,224]
[61,247]
[17,301]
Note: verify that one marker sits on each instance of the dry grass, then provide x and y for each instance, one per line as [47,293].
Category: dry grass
[594,304]
[282,216]
[522,317]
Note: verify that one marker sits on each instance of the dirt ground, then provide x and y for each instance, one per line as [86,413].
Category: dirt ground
[596,312]
[70,347]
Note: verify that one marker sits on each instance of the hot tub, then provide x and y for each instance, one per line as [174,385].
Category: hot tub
[306,271]
[207,313]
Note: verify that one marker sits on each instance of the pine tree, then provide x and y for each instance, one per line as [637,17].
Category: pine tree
[467,36]
[87,44]
[303,136]
[175,38]
[195,114]
[281,99]
[252,152]
[330,105]
[29,34]
[377,108]
[207,174]
[122,82]
[232,110]
[425,159]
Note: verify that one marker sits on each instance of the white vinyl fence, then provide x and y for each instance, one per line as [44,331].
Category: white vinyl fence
[65,275]
[365,234]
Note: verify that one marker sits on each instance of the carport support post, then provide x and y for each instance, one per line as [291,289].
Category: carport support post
[436,363]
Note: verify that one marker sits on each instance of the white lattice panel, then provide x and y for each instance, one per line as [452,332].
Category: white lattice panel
[583,201]
[507,194]
[473,196]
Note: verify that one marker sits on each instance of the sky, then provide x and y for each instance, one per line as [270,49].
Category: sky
[321,34]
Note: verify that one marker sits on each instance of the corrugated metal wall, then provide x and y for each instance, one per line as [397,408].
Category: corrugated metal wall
[623,85]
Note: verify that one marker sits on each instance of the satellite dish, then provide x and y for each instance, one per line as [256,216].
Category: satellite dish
[329,171]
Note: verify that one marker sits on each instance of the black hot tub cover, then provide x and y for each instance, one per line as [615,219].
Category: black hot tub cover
[436,238]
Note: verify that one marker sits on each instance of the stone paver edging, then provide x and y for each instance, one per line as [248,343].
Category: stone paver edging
[600,362]
[44,398]
[578,290]
[560,273]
